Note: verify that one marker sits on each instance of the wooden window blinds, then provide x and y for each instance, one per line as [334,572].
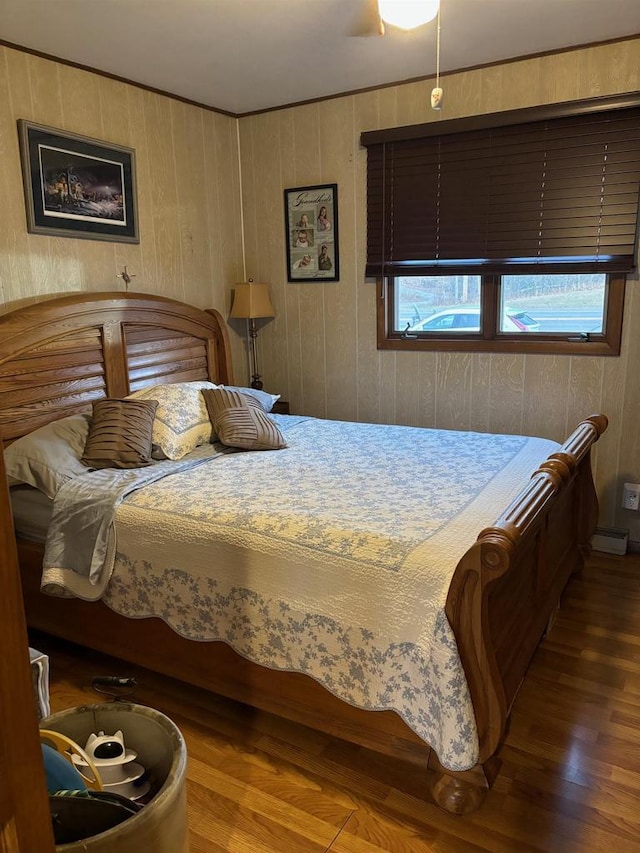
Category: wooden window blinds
[508,192]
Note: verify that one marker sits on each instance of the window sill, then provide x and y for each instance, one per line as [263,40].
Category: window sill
[598,346]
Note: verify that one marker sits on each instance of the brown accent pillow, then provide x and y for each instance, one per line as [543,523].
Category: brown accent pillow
[240,421]
[120,434]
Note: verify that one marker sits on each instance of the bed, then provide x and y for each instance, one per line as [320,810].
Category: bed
[499,582]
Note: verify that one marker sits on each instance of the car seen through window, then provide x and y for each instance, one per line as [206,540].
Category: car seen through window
[467,319]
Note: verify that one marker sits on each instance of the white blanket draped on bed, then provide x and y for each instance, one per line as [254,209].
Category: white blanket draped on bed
[332,557]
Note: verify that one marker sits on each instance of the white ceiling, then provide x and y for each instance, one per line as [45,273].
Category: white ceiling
[246,55]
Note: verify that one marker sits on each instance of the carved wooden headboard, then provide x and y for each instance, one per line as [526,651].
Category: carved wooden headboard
[58,356]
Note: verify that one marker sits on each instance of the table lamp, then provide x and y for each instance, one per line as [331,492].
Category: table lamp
[251,301]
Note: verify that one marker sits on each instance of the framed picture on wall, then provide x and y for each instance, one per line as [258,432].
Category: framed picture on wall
[311,233]
[76,186]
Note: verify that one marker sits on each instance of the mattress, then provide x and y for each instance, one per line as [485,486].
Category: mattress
[31,512]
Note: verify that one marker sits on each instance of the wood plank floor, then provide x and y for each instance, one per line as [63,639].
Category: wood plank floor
[570,777]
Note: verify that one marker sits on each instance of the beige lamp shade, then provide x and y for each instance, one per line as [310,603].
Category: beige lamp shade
[251,300]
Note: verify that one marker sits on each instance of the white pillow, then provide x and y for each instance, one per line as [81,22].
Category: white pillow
[266,400]
[49,456]
[182,422]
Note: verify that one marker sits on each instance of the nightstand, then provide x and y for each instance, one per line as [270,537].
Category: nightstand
[281,407]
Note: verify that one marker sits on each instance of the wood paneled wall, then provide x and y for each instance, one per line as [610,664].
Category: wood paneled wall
[320,351]
[188,191]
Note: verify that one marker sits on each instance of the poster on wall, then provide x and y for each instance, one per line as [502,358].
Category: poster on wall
[311,217]
[76,186]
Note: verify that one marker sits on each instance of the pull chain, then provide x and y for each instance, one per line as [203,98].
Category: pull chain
[436,93]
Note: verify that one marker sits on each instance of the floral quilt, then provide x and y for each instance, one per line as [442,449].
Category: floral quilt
[331,557]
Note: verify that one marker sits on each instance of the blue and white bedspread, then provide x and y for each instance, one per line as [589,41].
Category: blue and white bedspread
[332,557]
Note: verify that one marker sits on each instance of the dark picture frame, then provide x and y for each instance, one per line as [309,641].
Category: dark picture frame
[76,186]
[311,233]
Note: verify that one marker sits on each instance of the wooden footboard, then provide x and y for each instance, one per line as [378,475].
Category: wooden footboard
[507,586]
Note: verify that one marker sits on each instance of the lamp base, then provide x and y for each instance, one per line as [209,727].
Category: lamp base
[256,382]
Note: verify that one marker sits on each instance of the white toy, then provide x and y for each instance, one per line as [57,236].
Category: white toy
[116,765]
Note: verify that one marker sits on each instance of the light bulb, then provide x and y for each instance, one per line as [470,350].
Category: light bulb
[408,14]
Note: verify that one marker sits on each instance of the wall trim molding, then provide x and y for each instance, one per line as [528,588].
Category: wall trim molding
[345,94]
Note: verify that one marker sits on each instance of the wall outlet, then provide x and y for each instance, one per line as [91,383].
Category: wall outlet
[631,496]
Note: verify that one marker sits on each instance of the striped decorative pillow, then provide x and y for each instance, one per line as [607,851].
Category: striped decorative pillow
[120,434]
[240,421]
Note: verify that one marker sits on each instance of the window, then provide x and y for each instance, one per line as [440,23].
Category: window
[515,313]
[508,232]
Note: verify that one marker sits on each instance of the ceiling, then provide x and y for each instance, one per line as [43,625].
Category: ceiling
[248,55]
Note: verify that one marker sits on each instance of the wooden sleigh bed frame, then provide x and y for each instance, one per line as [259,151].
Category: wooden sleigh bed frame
[56,357]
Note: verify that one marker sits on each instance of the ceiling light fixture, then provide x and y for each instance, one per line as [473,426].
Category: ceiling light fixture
[408,14]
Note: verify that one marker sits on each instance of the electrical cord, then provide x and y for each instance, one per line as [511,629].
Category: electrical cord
[118,688]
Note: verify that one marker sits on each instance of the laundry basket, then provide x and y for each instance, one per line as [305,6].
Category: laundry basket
[161,826]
